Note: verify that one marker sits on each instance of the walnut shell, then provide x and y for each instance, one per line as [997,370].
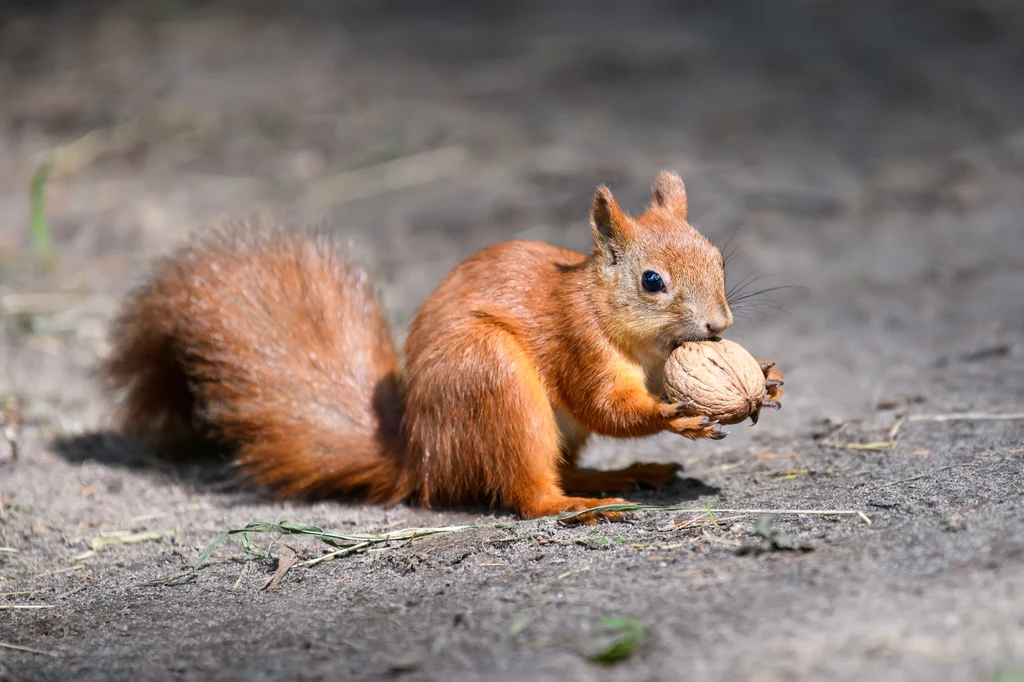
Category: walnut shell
[721,378]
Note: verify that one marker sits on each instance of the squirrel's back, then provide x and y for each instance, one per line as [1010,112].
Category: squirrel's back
[273,341]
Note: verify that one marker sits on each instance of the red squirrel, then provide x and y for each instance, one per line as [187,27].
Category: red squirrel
[272,341]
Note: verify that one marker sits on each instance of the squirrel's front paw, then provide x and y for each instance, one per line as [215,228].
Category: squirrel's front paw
[697,427]
[773,380]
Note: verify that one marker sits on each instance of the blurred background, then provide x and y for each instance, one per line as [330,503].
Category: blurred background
[871,153]
[868,153]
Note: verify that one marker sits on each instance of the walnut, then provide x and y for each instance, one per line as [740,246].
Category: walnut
[719,378]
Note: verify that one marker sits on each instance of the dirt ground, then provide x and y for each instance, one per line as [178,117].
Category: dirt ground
[871,155]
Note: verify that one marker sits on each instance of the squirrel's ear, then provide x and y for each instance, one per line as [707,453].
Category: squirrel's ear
[611,227]
[669,194]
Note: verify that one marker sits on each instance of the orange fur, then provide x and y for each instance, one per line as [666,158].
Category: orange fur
[274,342]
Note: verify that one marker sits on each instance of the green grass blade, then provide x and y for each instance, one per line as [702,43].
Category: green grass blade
[38,223]
[631,635]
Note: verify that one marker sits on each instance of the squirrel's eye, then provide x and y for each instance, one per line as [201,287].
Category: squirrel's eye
[652,282]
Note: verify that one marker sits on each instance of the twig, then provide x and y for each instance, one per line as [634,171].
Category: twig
[989,453]
[928,473]
[893,440]
[245,569]
[903,480]
[81,588]
[28,650]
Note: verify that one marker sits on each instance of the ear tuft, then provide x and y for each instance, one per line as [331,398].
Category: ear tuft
[669,194]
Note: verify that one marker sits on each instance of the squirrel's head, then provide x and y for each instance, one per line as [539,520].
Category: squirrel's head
[664,282]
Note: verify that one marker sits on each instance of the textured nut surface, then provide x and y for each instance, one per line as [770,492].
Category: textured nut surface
[720,377]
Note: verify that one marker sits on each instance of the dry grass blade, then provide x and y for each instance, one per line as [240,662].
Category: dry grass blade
[348,543]
[565,575]
[58,571]
[708,511]
[967,416]
[889,444]
[786,474]
[241,576]
[25,607]
[345,543]
[330,556]
[874,446]
[391,175]
[102,541]
[52,303]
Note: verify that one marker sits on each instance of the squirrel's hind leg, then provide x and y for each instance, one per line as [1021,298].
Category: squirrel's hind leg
[489,433]
[576,480]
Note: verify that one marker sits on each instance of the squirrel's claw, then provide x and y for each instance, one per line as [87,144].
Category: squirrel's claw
[699,427]
[774,383]
[673,410]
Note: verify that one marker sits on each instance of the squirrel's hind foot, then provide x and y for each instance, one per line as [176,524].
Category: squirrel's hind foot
[553,506]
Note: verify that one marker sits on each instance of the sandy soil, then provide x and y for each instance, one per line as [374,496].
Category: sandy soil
[871,154]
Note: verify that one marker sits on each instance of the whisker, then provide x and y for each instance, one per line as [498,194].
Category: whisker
[728,255]
[744,283]
[745,319]
[767,290]
[731,237]
[766,304]
[753,301]
[743,315]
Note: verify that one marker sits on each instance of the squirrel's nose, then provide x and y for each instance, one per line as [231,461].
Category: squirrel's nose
[714,329]
[719,324]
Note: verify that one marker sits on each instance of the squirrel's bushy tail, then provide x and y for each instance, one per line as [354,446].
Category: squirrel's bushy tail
[272,341]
